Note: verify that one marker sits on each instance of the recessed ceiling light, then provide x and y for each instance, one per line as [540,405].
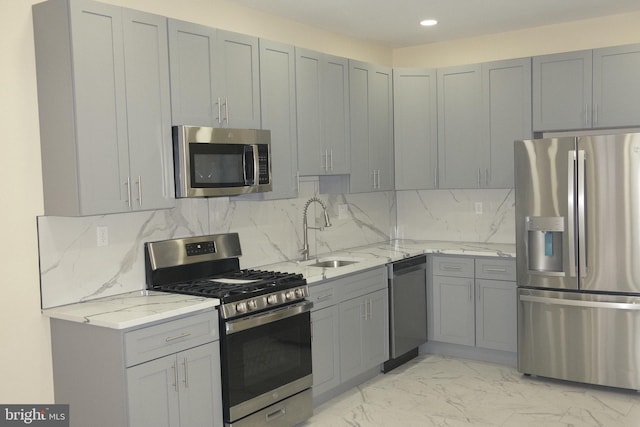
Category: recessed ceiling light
[428,22]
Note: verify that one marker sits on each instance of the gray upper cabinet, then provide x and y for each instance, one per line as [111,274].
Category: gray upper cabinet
[214,77]
[616,86]
[103,95]
[462,159]
[278,111]
[415,128]
[371,124]
[562,91]
[587,89]
[506,107]
[322,97]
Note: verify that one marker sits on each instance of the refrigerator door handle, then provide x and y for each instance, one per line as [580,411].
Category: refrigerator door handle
[582,226]
[571,219]
[578,303]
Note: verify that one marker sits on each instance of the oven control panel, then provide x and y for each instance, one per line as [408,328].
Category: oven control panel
[200,248]
[263,301]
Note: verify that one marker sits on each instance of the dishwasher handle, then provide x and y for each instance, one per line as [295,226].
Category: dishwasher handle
[408,265]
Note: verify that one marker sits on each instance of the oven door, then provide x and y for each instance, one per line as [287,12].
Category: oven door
[265,359]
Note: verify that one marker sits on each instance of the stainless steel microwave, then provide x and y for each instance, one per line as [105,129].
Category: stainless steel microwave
[212,162]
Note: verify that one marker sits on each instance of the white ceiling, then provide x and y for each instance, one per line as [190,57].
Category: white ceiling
[395,22]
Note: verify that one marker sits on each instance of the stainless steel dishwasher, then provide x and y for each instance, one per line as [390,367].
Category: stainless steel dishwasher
[407,309]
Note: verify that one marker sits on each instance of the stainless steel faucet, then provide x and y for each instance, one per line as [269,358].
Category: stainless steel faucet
[305,225]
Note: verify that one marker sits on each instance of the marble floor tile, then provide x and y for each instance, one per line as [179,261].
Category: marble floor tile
[442,391]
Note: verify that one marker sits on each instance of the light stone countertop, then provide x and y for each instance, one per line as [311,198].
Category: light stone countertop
[379,254]
[141,307]
[131,309]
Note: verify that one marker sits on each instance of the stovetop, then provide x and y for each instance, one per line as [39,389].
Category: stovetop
[238,285]
[208,266]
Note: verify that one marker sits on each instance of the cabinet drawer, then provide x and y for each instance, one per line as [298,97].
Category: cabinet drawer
[170,337]
[453,266]
[323,295]
[362,283]
[496,269]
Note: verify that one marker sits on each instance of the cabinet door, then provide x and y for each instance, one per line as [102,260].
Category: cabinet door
[153,393]
[236,81]
[149,116]
[381,140]
[200,386]
[191,64]
[415,128]
[325,349]
[461,154]
[362,174]
[278,111]
[312,158]
[616,87]
[506,99]
[335,93]
[376,329]
[496,315]
[453,310]
[352,315]
[100,108]
[562,85]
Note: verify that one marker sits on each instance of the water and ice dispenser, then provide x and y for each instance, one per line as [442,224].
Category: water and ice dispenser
[544,244]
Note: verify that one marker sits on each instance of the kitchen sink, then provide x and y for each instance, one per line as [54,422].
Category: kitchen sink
[333,263]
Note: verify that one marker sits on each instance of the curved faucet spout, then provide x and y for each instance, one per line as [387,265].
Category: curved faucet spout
[305,225]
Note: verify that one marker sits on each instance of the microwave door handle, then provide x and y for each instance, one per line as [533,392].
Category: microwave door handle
[244,165]
[256,165]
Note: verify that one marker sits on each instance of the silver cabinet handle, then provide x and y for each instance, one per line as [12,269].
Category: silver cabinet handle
[486,177]
[451,268]
[175,375]
[139,190]
[324,297]
[186,372]
[177,337]
[496,270]
[586,114]
[219,111]
[226,109]
[373,178]
[331,157]
[128,185]
[479,178]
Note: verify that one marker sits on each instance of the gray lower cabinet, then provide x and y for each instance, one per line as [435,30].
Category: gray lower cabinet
[371,127]
[350,325]
[214,77]
[103,98]
[473,302]
[165,374]
[587,89]
[415,128]
[322,97]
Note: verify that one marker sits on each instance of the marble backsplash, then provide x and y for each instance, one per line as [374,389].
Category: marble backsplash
[74,268]
[451,215]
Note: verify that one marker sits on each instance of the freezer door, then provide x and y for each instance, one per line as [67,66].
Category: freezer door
[545,179]
[590,338]
[609,223]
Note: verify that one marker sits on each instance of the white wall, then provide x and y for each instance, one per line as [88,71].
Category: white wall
[25,367]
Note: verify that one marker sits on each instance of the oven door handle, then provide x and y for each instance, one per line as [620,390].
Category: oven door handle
[238,325]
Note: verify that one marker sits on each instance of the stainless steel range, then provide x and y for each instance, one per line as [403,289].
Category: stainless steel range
[265,326]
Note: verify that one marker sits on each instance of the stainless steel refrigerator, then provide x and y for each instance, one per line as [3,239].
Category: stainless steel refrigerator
[578,258]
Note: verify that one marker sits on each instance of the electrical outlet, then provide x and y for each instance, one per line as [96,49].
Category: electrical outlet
[102,236]
[478,208]
[343,211]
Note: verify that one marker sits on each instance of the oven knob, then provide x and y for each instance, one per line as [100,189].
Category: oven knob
[300,292]
[241,307]
[272,299]
[290,295]
[252,305]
